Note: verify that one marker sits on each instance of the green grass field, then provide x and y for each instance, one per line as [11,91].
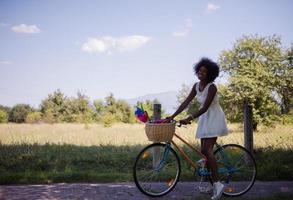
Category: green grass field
[46,153]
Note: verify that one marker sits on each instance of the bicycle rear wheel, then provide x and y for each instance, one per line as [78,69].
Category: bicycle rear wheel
[236,169]
[156,170]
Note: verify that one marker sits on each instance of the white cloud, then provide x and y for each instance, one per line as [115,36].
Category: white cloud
[108,44]
[186,30]
[212,7]
[132,42]
[5,62]
[23,28]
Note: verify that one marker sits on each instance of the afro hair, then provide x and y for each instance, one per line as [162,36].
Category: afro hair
[211,66]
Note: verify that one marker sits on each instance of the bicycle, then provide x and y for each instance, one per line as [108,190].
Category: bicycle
[157,167]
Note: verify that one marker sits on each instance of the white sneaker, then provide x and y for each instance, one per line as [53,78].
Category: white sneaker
[205,189]
[218,190]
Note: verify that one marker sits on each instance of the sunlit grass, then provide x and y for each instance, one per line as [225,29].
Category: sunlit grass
[280,136]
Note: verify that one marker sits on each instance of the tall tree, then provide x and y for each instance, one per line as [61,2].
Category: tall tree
[252,64]
[79,109]
[54,107]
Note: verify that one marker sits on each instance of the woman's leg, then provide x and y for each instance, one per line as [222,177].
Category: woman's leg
[207,145]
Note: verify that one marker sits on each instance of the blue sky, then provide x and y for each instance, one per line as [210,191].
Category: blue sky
[128,47]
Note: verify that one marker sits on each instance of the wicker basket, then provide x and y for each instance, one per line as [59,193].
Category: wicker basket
[160,132]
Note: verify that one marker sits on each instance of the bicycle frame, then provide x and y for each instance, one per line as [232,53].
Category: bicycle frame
[192,163]
[184,155]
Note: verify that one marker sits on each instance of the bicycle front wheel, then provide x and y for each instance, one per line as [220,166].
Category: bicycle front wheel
[236,169]
[156,169]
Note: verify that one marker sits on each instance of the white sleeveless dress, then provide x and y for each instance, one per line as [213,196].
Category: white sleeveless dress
[213,122]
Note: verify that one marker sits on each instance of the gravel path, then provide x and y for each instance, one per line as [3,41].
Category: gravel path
[126,191]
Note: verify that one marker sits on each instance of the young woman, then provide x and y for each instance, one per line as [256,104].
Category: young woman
[211,122]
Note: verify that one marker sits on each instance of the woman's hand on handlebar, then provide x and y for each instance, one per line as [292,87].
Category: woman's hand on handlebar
[185,121]
[180,122]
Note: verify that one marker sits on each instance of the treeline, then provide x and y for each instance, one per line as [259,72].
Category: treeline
[260,73]
[58,108]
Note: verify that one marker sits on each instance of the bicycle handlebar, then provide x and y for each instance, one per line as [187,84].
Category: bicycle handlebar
[178,123]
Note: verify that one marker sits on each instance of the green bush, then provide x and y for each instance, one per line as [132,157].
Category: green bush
[108,120]
[287,118]
[48,117]
[33,117]
[57,107]
[3,116]
[19,112]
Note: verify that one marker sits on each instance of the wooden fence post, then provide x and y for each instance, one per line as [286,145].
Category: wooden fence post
[156,152]
[157,111]
[248,132]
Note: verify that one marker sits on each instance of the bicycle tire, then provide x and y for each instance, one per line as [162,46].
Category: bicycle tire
[157,182]
[237,181]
